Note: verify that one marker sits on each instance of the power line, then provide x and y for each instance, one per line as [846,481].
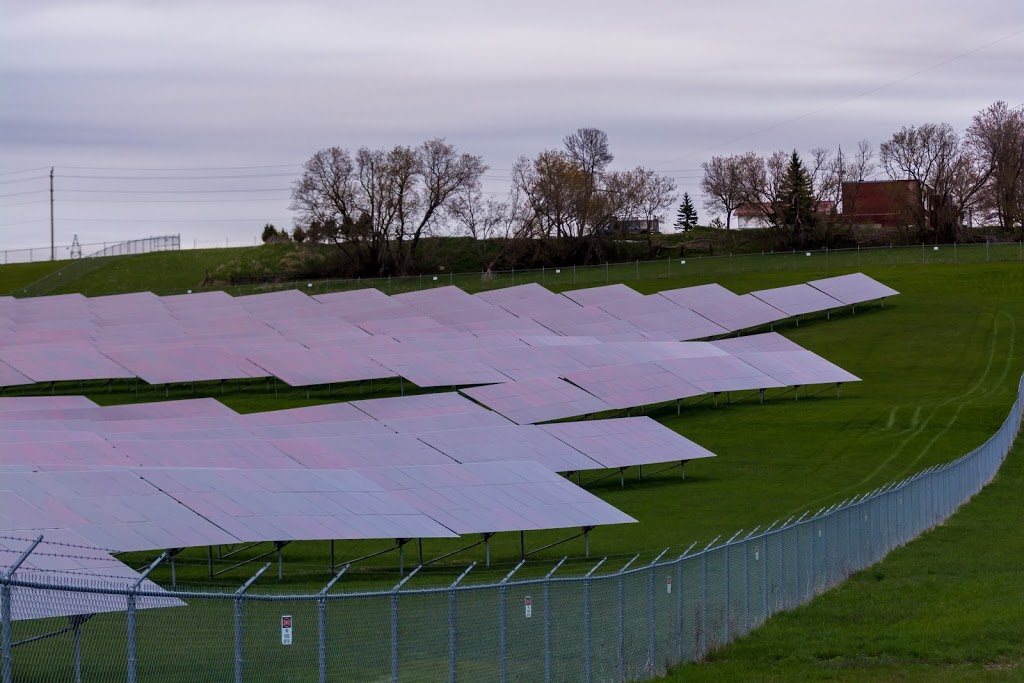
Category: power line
[172,220]
[182,169]
[22,180]
[174,177]
[71,200]
[19,194]
[24,170]
[260,189]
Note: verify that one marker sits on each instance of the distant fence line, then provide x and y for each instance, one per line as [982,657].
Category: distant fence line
[95,260]
[625,625]
[830,261]
[66,252]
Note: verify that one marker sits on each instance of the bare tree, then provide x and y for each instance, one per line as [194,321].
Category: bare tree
[589,148]
[996,135]
[651,195]
[948,174]
[379,203]
[762,183]
[722,184]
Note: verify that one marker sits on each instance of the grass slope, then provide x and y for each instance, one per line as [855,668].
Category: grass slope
[939,365]
[947,607]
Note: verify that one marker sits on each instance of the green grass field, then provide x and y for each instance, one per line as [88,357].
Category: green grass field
[939,366]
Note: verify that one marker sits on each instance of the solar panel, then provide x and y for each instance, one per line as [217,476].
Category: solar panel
[320,429]
[173,365]
[398,325]
[169,424]
[216,298]
[114,509]
[769,341]
[347,452]
[699,296]
[629,386]
[437,370]
[286,299]
[435,295]
[21,403]
[740,313]
[797,299]
[795,368]
[354,300]
[595,296]
[627,441]
[853,289]
[681,324]
[537,400]
[249,453]
[614,330]
[510,442]
[531,362]
[285,505]
[60,363]
[307,367]
[64,453]
[440,423]
[424,405]
[530,290]
[560,321]
[537,303]
[197,407]
[329,412]
[493,497]
[716,374]
[510,325]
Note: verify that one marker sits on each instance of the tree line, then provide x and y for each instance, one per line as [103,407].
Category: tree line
[377,205]
[962,177]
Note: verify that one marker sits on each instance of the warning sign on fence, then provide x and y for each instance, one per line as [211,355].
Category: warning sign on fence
[286,630]
[529,607]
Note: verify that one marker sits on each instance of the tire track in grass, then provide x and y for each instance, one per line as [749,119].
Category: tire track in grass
[994,387]
[963,398]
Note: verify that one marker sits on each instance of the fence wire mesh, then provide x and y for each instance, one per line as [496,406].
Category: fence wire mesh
[624,623]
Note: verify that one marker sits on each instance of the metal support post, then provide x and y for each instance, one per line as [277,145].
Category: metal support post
[547,620]
[321,608]
[502,622]
[452,651]
[239,598]
[394,624]
[650,612]
[728,599]
[6,639]
[703,640]
[132,642]
[586,621]
[622,619]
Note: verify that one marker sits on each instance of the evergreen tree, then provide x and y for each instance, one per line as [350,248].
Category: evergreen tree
[796,209]
[686,217]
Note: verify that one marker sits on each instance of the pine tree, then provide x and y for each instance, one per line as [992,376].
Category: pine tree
[797,210]
[686,217]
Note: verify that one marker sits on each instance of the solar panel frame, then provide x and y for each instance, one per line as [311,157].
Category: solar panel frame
[626,442]
[797,300]
[596,296]
[508,443]
[537,400]
[634,385]
[855,288]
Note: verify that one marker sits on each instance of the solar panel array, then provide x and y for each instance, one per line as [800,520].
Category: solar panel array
[436,337]
[186,473]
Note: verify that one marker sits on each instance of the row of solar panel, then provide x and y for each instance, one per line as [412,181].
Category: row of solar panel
[366,335]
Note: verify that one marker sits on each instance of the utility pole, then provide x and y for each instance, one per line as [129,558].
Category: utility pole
[52,248]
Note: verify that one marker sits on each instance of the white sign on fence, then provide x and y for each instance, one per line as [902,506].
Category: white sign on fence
[286,630]
[529,607]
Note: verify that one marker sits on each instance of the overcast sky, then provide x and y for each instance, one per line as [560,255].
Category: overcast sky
[253,88]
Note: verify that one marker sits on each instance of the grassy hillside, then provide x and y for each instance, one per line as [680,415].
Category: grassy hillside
[945,608]
[939,366]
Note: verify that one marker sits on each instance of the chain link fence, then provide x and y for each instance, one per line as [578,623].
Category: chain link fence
[95,260]
[66,252]
[625,624]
